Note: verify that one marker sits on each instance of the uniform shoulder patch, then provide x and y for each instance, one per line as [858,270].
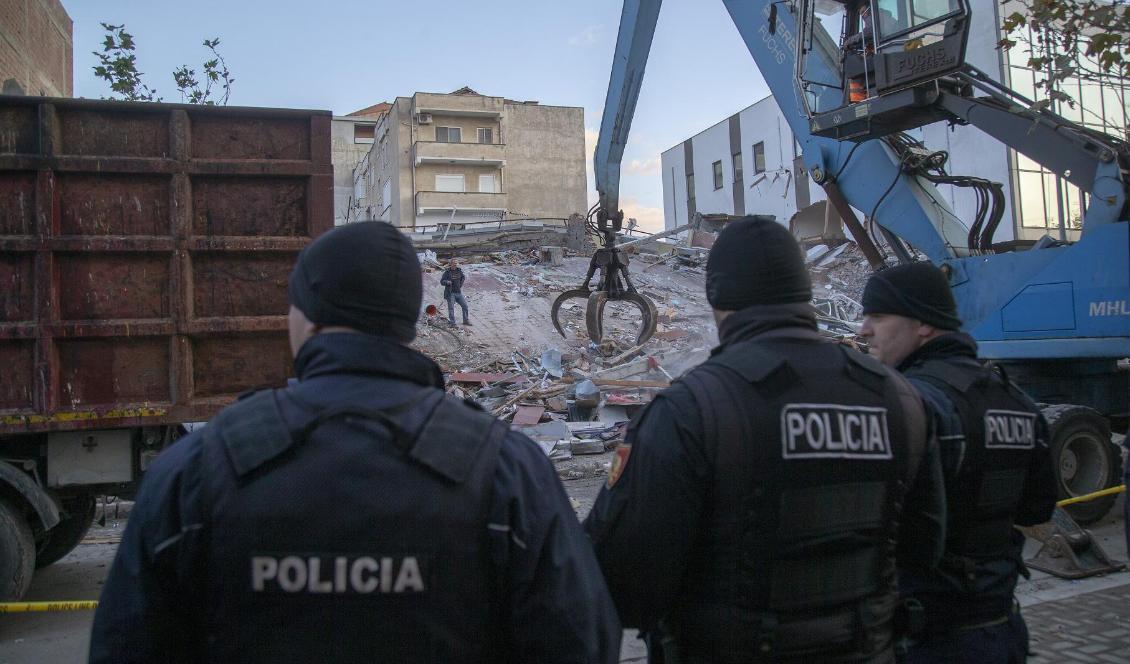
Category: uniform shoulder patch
[834,431]
[1010,430]
[619,462]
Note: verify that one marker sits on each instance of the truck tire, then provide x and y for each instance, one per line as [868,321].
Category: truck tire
[65,536]
[17,553]
[1083,458]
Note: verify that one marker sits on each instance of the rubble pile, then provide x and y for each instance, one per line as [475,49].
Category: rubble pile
[570,396]
[842,270]
[575,406]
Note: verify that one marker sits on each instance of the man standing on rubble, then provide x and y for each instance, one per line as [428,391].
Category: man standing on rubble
[759,504]
[993,446]
[452,281]
[359,515]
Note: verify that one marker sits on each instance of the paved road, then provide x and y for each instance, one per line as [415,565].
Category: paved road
[1083,621]
[1092,627]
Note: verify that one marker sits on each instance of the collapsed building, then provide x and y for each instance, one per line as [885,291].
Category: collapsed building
[574,396]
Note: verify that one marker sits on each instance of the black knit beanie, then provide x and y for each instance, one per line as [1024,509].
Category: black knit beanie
[755,261]
[363,275]
[915,290]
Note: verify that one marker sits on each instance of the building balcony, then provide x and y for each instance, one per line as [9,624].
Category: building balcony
[434,201]
[467,154]
[459,105]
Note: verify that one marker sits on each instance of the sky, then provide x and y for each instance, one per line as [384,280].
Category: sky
[348,54]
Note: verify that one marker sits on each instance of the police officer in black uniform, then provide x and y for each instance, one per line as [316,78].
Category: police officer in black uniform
[759,504]
[998,472]
[359,514]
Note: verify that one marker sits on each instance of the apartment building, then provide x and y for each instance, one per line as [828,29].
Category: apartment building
[36,48]
[468,157]
[747,163]
[351,138]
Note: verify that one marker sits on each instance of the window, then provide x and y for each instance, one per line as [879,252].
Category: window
[363,133]
[690,194]
[737,167]
[717,166]
[449,135]
[450,183]
[759,158]
[1041,201]
[488,184]
[486,135]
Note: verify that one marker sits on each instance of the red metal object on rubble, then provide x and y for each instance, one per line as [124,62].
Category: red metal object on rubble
[144,256]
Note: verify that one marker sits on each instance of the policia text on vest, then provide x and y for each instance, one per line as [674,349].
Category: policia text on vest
[340,575]
[825,431]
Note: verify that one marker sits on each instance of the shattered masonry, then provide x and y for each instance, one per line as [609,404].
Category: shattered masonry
[571,397]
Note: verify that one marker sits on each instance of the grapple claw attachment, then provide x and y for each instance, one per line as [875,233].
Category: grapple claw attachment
[594,315]
[650,315]
[555,310]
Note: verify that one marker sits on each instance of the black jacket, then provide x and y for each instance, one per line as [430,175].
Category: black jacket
[375,513]
[651,526]
[452,281]
[976,580]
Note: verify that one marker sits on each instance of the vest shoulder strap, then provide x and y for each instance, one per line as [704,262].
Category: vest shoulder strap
[455,437]
[959,378]
[750,359]
[866,370]
[917,425]
[252,432]
[701,389]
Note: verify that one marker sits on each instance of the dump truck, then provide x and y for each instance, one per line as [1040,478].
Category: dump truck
[144,256]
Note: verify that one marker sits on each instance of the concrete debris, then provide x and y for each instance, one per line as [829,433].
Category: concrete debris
[528,415]
[832,255]
[586,447]
[551,362]
[573,398]
[815,254]
[428,259]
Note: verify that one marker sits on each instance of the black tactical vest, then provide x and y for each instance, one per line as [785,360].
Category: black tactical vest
[1000,426]
[351,535]
[813,448]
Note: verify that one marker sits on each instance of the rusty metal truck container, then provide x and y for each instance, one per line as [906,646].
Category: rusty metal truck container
[144,256]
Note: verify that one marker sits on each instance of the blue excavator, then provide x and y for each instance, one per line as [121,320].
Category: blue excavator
[1055,316]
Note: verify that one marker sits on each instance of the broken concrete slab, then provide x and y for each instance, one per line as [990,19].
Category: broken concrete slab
[816,253]
[675,362]
[528,416]
[586,446]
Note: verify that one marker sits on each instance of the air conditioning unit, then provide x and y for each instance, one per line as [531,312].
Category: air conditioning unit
[424,118]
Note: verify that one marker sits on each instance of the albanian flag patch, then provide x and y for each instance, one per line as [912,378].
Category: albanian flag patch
[619,463]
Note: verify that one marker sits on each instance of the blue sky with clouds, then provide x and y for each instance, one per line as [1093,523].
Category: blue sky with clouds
[349,54]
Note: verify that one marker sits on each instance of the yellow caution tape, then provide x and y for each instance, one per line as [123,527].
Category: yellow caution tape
[28,607]
[1091,496]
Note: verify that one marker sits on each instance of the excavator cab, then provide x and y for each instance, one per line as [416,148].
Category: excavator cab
[885,71]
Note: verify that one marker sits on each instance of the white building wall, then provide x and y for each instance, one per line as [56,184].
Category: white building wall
[710,146]
[775,193]
[348,151]
[772,192]
[674,187]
